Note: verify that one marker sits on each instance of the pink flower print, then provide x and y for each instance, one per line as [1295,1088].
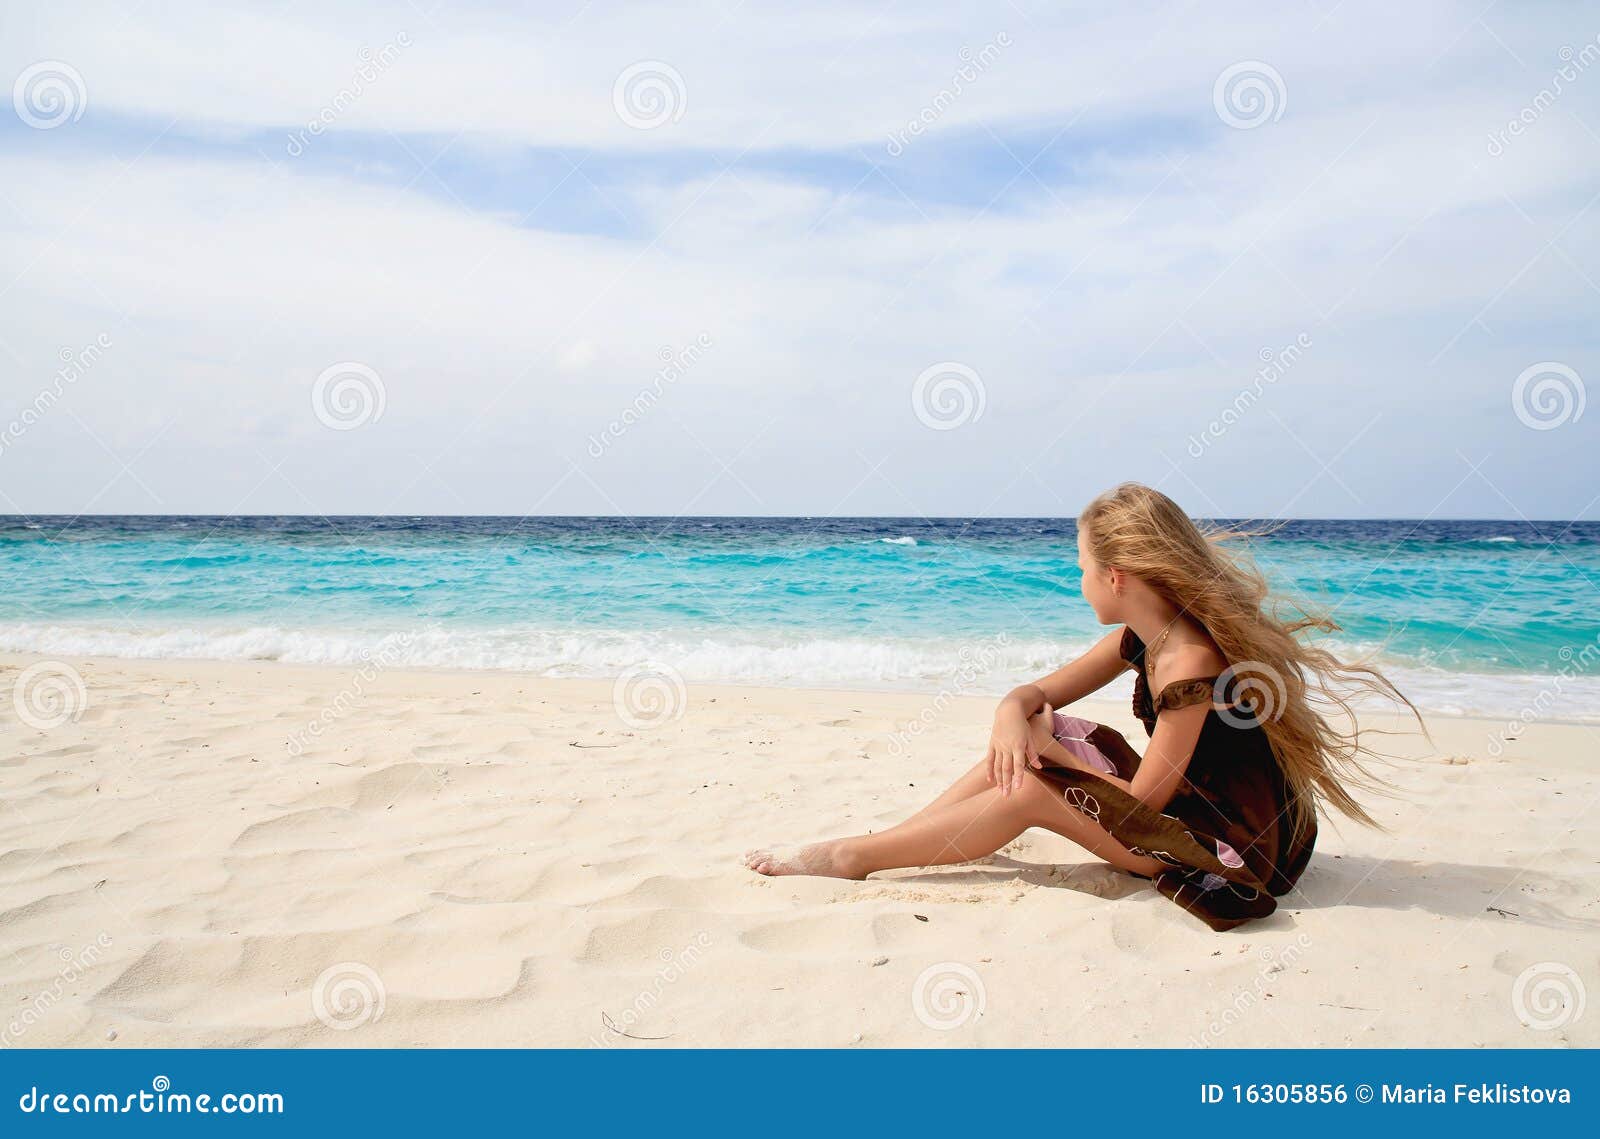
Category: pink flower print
[1227,855]
[1072,733]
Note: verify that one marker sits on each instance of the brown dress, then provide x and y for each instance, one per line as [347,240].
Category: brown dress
[1226,833]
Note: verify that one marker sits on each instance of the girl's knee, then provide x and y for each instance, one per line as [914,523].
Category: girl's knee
[1043,727]
[1041,799]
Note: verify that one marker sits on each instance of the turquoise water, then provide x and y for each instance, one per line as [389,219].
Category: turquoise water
[1475,616]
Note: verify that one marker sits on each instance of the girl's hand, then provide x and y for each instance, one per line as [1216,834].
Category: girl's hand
[1011,751]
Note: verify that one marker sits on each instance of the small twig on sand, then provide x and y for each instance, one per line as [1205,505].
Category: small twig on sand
[575,743]
[605,1018]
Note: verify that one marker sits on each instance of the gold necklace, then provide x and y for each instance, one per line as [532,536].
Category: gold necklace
[1155,645]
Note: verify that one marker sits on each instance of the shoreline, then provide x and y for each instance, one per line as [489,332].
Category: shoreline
[926,689]
[482,858]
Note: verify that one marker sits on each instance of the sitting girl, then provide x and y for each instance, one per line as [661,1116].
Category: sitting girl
[1221,810]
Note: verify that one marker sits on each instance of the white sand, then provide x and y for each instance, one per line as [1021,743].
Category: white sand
[170,874]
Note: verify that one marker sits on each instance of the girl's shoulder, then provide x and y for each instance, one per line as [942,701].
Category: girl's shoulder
[1198,656]
[1184,673]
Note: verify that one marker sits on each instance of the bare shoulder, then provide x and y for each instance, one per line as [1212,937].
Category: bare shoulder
[1186,662]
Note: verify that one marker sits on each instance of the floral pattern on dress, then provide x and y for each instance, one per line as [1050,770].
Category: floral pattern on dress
[1084,801]
[1159,855]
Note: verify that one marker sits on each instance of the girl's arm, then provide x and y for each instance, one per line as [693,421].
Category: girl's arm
[1011,746]
[1167,758]
[1177,731]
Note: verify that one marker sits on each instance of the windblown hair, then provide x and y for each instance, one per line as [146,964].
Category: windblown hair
[1280,679]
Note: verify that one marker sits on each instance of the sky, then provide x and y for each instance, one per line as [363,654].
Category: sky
[1334,259]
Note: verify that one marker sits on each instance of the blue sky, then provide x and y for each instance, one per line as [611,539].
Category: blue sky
[1072,275]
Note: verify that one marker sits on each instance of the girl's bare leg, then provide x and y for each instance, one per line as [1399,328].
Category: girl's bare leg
[976,778]
[955,829]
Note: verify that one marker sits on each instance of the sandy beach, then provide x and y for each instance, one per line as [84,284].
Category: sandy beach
[471,858]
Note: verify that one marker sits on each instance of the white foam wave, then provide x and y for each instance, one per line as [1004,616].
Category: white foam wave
[901,540]
[731,656]
[976,666]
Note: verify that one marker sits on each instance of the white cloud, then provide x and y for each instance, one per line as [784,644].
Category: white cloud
[1110,315]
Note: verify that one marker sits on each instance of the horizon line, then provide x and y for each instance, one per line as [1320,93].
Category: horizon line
[801,517]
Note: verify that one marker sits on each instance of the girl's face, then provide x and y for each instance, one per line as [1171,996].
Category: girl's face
[1097,585]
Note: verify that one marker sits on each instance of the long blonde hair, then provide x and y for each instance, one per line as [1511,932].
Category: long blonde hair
[1143,532]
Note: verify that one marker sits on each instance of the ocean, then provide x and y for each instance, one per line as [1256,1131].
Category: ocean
[1470,617]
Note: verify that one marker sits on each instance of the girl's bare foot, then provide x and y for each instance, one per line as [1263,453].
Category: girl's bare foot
[822,859]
